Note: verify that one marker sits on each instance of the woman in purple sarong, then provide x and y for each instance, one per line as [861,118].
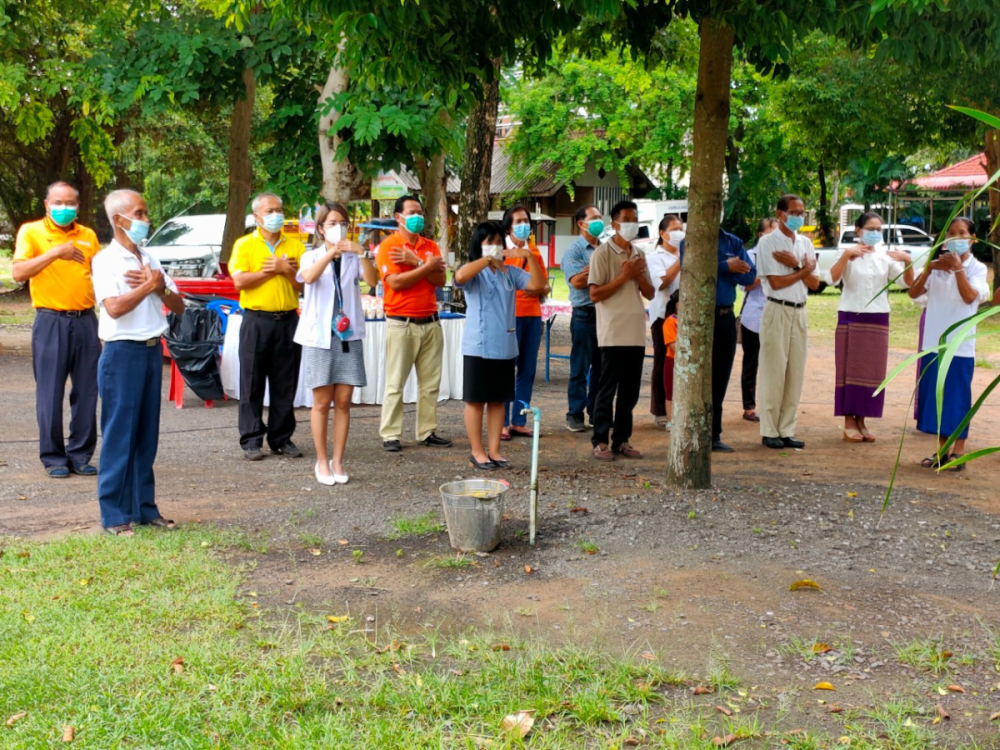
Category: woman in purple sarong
[862,340]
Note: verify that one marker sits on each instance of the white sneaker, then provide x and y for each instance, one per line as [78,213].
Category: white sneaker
[338,478]
[328,481]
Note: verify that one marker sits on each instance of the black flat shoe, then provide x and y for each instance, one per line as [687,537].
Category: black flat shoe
[773,442]
[719,447]
[433,441]
[392,446]
[488,465]
[792,443]
[503,463]
[83,470]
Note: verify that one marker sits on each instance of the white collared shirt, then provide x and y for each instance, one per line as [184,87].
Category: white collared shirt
[864,277]
[945,305]
[108,270]
[774,242]
[659,261]
[315,323]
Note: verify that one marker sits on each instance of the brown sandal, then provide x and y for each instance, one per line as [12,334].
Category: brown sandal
[163,523]
[123,529]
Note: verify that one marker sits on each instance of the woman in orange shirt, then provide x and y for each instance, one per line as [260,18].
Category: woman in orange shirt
[670,341]
[528,310]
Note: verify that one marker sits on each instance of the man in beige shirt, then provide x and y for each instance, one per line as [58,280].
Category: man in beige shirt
[618,281]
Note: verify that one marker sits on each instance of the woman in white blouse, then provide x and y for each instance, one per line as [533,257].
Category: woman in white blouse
[955,284]
[862,341]
[331,330]
[664,269]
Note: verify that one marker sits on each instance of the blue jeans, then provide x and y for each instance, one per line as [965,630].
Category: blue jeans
[584,363]
[529,338]
[129,377]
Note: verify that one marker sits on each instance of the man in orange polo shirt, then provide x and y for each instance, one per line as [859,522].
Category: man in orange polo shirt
[55,254]
[412,268]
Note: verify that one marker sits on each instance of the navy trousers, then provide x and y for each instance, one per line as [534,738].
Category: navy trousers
[130,375]
[269,357]
[65,347]
[584,363]
[529,338]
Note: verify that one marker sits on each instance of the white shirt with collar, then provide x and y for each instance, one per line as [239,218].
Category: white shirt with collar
[865,277]
[659,261]
[945,305]
[801,247]
[315,323]
[108,270]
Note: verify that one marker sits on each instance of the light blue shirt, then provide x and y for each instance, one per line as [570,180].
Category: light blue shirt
[490,324]
[574,260]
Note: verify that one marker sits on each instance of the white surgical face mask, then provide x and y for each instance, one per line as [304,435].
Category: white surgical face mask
[677,237]
[335,234]
[492,251]
[628,230]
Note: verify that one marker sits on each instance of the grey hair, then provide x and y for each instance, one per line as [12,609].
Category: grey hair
[261,196]
[61,183]
[118,201]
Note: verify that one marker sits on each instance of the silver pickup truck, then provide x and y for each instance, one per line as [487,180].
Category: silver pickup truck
[911,239]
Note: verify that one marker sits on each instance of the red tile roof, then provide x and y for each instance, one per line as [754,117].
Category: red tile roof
[970,173]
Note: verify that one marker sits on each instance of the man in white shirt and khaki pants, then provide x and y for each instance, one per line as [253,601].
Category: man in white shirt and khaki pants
[786,264]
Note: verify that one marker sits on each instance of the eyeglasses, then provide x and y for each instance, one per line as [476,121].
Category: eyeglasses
[343,224]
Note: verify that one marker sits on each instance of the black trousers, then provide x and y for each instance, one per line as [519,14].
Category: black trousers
[723,354]
[657,392]
[621,376]
[64,347]
[748,378]
[268,357]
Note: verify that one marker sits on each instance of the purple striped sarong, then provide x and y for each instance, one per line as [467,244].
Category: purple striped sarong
[862,353]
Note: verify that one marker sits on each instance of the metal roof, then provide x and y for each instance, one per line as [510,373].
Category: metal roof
[412,182]
[503,182]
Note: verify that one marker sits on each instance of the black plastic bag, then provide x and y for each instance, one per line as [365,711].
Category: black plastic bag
[194,340]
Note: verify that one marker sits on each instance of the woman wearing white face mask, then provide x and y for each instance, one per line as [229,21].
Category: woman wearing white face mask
[489,344]
[955,283]
[331,330]
[862,342]
[664,269]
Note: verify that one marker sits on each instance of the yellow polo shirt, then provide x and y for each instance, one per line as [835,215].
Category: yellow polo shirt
[277,293]
[63,284]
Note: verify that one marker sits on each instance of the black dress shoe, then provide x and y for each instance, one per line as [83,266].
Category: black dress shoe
[433,441]
[792,443]
[776,443]
[288,449]
[719,447]
[253,454]
[487,465]
[84,470]
[503,463]
[392,446]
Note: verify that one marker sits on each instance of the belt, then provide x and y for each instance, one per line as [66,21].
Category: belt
[416,321]
[723,309]
[280,315]
[148,343]
[786,303]
[67,313]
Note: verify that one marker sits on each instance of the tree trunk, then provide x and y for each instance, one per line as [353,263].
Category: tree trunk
[992,167]
[477,166]
[341,181]
[444,210]
[240,168]
[689,460]
[431,172]
[86,214]
[823,212]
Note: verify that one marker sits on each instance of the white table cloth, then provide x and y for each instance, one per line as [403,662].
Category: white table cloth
[374,349]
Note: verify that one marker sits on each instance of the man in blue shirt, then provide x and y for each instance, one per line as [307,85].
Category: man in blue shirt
[585,356]
[735,269]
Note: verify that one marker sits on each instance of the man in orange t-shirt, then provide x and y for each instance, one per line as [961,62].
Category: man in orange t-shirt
[55,254]
[412,269]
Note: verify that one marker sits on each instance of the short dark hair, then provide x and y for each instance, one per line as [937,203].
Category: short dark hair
[483,231]
[786,200]
[863,219]
[61,183]
[622,206]
[665,222]
[581,213]
[763,224]
[672,303]
[508,217]
[401,203]
[969,224]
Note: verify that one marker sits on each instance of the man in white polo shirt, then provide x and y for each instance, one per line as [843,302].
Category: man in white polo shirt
[131,290]
[786,264]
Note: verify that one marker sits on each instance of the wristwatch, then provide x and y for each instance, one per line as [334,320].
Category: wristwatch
[166,292]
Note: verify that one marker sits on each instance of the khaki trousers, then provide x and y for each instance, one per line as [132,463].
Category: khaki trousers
[408,345]
[784,337]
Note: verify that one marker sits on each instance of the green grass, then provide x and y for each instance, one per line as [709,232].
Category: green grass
[926,654]
[92,628]
[588,547]
[457,562]
[422,525]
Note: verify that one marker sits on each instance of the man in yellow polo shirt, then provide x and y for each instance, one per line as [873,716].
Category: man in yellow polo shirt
[54,253]
[263,265]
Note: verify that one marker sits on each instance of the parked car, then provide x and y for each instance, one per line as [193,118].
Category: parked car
[911,239]
[189,245]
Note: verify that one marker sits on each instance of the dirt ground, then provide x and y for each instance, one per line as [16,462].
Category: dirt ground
[699,578]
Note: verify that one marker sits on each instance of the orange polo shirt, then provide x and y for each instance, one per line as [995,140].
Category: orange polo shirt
[63,284]
[670,333]
[420,300]
[527,305]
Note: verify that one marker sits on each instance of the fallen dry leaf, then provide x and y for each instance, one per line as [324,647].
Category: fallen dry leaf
[702,690]
[995,716]
[648,655]
[835,709]
[528,569]
[337,618]
[519,723]
[823,686]
[398,669]
[726,741]
[24,554]
[579,509]
[956,688]
[723,710]
[178,664]
[342,542]
[805,584]
[942,713]
[315,552]
[501,647]
[392,647]
[68,734]
[16,718]
[821,648]
[630,742]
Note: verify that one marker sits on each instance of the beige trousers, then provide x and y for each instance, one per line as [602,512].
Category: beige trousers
[784,339]
[408,345]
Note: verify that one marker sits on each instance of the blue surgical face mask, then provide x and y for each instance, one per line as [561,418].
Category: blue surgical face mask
[871,237]
[414,223]
[63,215]
[959,246]
[595,227]
[273,222]
[138,231]
[521,231]
[794,223]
